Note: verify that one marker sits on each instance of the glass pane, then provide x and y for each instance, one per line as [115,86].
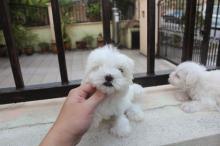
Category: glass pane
[34,40]
[6,77]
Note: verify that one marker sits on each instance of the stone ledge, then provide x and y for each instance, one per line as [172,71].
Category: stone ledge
[165,124]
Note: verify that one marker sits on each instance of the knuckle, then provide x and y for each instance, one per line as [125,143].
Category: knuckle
[72,92]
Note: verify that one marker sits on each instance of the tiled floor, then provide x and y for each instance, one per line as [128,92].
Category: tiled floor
[43,68]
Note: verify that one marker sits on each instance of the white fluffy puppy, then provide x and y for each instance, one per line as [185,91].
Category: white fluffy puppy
[112,73]
[198,85]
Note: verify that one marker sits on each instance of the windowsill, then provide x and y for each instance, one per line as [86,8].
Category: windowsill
[164,123]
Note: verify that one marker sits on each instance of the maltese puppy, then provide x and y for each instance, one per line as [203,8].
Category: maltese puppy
[198,85]
[112,72]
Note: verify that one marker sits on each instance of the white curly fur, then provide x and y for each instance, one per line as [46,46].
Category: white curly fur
[109,61]
[198,85]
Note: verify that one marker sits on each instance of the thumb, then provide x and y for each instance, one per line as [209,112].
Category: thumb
[95,99]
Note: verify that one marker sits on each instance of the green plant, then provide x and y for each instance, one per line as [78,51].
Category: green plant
[31,2]
[64,21]
[66,38]
[20,36]
[65,2]
[31,39]
[88,39]
[23,37]
[2,40]
[93,10]
[44,45]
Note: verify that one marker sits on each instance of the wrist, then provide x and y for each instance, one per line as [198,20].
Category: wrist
[62,136]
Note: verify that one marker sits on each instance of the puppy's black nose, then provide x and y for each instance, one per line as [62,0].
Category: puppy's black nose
[108,78]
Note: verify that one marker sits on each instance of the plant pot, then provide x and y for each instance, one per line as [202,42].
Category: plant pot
[43,50]
[54,48]
[81,45]
[28,51]
[100,43]
[3,51]
[77,44]
[67,45]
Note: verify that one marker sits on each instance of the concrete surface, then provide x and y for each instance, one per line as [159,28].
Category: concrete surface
[25,124]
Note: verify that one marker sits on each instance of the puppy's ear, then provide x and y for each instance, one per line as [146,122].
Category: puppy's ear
[191,79]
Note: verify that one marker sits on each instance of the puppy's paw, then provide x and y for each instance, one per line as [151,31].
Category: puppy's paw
[181,97]
[135,113]
[189,107]
[121,127]
[122,131]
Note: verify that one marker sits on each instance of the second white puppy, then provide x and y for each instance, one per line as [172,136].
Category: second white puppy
[112,73]
[200,86]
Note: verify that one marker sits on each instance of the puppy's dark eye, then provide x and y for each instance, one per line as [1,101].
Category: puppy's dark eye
[121,70]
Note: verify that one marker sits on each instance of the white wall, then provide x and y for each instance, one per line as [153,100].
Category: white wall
[143,26]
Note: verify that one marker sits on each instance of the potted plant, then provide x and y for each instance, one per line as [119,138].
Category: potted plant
[44,47]
[3,50]
[64,21]
[88,39]
[66,42]
[81,44]
[100,40]
[24,39]
[53,47]
[20,37]
[30,42]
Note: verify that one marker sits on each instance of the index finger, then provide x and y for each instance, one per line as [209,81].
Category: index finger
[87,89]
[84,91]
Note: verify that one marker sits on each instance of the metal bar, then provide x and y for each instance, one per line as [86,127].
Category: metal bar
[201,22]
[106,10]
[36,92]
[10,42]
[59,41]
[215,53]
[158,27]
[207,29]
[151,36]
[216,20]
[188,38]
[55,90]
[218,56]
[197,17]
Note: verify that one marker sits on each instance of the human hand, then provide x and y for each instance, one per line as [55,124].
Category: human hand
[75,116]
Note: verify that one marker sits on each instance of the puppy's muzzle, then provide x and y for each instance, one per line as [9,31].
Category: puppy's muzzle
[108,81]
